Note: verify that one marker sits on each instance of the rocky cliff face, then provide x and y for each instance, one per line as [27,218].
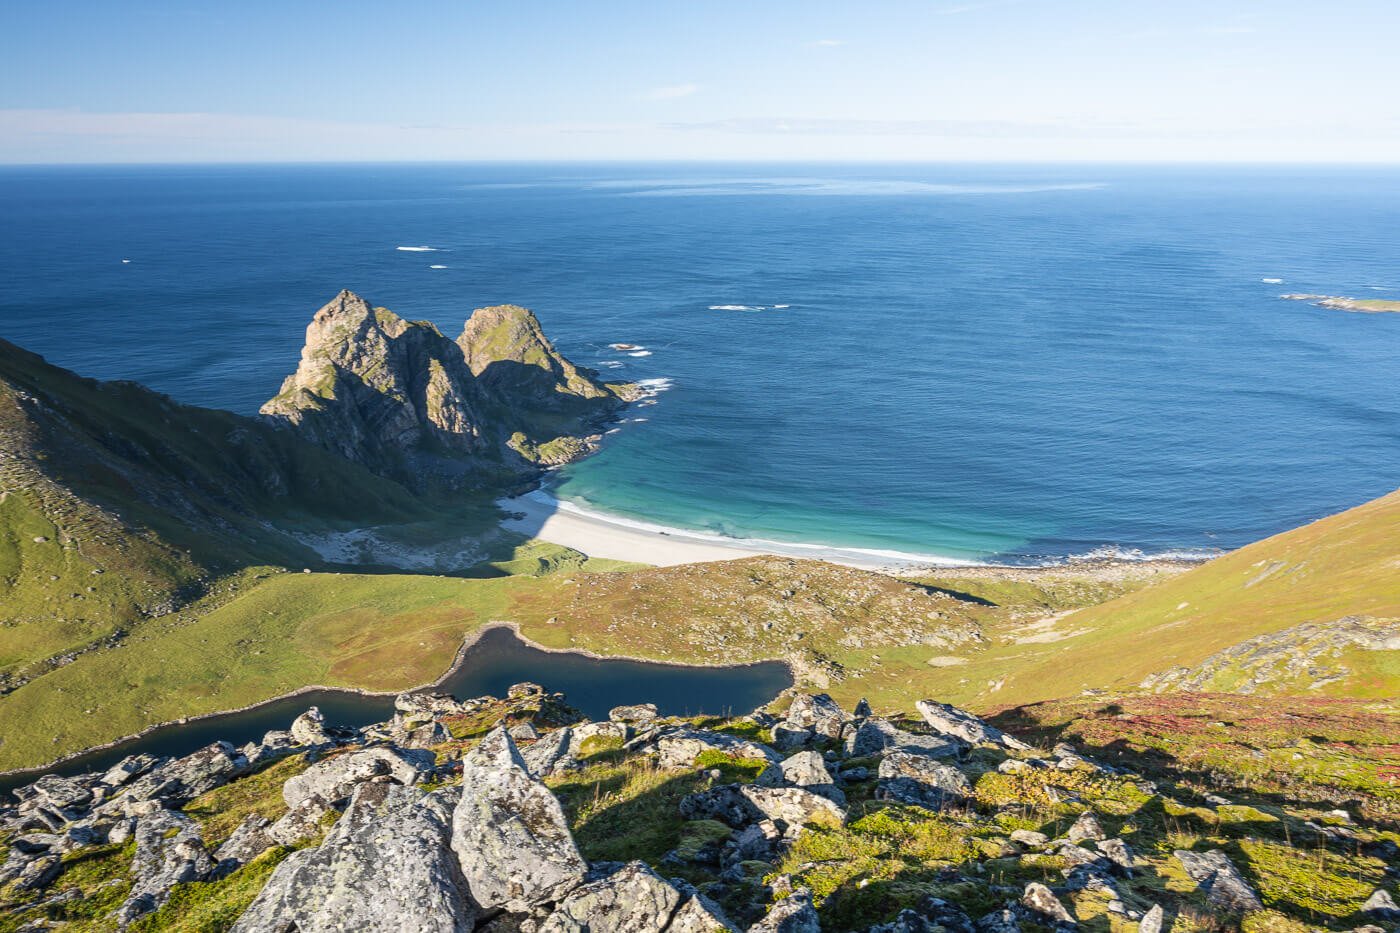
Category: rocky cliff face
[404,400]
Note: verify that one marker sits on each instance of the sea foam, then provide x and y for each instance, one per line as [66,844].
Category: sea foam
[416,249]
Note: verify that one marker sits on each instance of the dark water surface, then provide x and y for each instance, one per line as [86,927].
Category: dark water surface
[1022,362]
[497,660]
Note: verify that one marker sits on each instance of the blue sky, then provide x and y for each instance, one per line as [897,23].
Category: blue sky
[1032,80]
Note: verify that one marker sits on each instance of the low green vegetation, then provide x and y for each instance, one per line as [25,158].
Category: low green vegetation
[283,632]
[1339,566]
[207,906]
[1258,750]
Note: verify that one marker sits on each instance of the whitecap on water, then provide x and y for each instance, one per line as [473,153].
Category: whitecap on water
[437,267]
[641,353]
[1272,281]
[655,386]
[737,308]
[416,249]
[125,261]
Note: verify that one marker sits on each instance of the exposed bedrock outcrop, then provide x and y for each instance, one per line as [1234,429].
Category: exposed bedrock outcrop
[406,401]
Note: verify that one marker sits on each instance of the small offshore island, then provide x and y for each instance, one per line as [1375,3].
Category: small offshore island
[1364,305]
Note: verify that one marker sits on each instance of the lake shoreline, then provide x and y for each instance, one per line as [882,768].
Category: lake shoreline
[458,660]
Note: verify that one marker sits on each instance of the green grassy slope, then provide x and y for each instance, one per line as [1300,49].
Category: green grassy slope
[1343,565]
[118,505]
[281,632]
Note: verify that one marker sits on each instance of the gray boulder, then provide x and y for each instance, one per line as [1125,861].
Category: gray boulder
[738,805]
[274,745]
[427,735]
[1029,838]
[757,842]
[1381,906]
[960,724]
[1151,921]
[793,914]
[425,706]
[999,921]
[550,755]
[34,872]
[523,731]
[335,779]
[310,728]
[55,792]
[1043,903]
[510,833]
[169,851]
[386,866]
[678,748]
[181,780]
[699,914]
[915,779]
[590,735]
[132,766]
[870,738]
[302,822]
[1086,828]
[636,713]
[1219,880]
[817,712]
[1119,853]
[247,842]
[806,770]
[933,915]
[785,737]
[632,899]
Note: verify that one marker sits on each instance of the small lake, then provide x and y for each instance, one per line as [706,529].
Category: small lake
[496,661]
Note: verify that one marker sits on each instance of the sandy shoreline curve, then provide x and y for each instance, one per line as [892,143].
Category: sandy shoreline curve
[537,514]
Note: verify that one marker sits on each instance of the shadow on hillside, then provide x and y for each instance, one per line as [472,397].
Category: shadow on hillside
[1239,786]
[648,826]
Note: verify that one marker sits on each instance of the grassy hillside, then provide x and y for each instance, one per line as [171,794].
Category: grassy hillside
[118,505]
[1341,566]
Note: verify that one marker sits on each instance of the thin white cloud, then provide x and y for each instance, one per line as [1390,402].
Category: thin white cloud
[960,8]
[1229,30]
[672,91]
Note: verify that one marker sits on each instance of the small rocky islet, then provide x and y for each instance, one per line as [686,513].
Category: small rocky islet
[1335,303]
[517,814]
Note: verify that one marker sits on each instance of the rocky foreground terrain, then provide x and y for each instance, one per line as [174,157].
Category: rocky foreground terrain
[515,814]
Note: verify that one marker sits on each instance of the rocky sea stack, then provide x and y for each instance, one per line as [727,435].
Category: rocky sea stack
[404,400]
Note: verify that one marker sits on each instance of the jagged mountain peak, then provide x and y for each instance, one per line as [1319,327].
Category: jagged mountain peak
[402,399]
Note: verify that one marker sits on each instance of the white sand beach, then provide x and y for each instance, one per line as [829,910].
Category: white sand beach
[600,535]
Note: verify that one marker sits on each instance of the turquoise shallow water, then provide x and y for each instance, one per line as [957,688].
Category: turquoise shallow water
[1015,362]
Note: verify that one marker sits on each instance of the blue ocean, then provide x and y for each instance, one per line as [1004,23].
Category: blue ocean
[1016,363]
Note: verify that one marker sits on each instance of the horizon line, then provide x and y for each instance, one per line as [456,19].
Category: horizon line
[705,161]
